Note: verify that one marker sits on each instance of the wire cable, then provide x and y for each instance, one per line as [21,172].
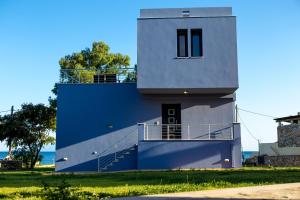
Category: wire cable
[250,133]
[4,111]
[256,113]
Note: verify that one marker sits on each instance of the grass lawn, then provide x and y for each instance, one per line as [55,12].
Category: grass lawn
[28,184]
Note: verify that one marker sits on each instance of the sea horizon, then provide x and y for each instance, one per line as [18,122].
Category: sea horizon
[49,156]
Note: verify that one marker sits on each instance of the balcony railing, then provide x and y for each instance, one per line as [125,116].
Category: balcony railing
[188,132]
[85,76]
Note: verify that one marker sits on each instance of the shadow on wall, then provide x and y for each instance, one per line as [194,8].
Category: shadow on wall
[88,111]
[93,117]
[184,154]
[179,154]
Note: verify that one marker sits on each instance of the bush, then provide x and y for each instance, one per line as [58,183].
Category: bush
[64,191]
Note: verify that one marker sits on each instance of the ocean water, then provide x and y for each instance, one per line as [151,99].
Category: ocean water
[48,157]
[248,154]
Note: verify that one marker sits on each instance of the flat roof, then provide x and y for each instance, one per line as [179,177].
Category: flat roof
[288,118]
[186,12]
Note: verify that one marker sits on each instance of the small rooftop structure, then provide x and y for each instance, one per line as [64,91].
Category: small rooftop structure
[185,12]
[295,119]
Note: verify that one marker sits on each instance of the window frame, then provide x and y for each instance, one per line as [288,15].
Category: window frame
[192,33]
[185,33]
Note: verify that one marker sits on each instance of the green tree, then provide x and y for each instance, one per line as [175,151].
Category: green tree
[38,121]
[11,129]
[97,59]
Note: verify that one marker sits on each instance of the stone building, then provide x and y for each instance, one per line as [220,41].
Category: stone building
[286,151]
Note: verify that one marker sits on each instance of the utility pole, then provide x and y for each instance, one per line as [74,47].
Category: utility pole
[10,146]
[12,111]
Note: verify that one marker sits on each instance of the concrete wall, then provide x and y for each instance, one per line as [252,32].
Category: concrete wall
[93,117]
[159,69]
[193,12]
[174,154]
[183,154]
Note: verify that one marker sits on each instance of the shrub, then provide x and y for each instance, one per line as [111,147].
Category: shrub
[64,191]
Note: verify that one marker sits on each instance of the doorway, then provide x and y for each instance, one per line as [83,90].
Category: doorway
[171,121]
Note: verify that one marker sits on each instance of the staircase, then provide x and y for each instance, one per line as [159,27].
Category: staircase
[122,155]
[121,160]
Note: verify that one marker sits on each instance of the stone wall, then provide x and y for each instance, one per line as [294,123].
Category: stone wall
[283,161]
[289,135]
[276,161]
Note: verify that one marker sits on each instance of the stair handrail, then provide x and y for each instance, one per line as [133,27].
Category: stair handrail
[111,159]
[113,147]
[119,141]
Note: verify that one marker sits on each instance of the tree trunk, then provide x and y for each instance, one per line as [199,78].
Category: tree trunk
[35,158]
[9,157]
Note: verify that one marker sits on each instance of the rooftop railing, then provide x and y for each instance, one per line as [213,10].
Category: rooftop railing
[88,76]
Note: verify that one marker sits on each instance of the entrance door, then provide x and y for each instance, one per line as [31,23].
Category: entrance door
[171,121]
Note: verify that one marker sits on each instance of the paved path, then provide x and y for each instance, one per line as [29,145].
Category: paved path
[267,192]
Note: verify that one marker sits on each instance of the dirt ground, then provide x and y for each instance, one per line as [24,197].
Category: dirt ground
[268,192]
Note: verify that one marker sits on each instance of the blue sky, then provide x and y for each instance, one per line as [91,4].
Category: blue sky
[34,35]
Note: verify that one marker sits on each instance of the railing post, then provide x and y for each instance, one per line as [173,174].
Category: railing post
[144,131]
[115,156]
[168,132]
[188,126]
[141,131]
[79,77]
[209,131]
[147,130]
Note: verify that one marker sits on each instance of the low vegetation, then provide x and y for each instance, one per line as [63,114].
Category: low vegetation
[42,183]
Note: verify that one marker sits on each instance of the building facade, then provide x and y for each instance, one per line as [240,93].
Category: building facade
[177,112]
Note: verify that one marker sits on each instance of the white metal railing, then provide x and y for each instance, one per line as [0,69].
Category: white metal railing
[120,75]
[188,132]
[116,150]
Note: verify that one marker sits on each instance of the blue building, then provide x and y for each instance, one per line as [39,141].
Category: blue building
[175,110]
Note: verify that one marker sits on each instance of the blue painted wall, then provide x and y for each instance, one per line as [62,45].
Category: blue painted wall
[184,154]
[93,117]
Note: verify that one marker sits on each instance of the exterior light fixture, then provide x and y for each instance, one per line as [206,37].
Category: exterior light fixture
[185,13]
[226,160]
[185,92]
[65,159]
[94,152]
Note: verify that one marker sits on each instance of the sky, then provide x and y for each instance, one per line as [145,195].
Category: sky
[35,34]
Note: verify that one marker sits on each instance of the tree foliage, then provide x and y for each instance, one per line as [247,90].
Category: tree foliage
[39,121]
[97,59]
[28,130]
[11,129]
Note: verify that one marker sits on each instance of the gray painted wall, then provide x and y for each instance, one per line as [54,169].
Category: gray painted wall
[93,117]
[159,69]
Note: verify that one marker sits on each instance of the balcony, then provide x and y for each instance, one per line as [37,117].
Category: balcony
[186,132]
[97,76]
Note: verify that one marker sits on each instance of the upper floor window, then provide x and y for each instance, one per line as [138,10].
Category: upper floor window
[182,45]
[196,43]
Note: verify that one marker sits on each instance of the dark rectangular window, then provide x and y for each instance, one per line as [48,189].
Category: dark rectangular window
[196,43]
[182,48]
